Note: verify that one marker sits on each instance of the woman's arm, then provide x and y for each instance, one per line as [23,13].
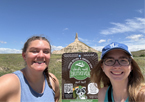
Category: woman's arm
[9,88]
[55,86]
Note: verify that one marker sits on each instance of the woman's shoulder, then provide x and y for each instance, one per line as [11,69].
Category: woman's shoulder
[9,84]
[102,93]
[52,75]
[54,81]
[9,79]
[55,85]
[53,78]
[141,94]
[143,86]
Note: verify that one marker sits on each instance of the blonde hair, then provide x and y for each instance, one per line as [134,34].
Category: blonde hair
[135,80]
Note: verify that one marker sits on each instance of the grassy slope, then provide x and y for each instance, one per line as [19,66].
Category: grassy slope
[138,53]
[12,62]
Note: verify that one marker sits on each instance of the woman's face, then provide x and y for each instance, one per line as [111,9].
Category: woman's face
[117,71]
[37,55]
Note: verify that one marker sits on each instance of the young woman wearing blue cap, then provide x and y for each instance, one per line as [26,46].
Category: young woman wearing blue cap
[118,76]
[33,83]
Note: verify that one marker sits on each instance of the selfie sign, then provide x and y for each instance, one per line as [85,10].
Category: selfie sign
[76,84]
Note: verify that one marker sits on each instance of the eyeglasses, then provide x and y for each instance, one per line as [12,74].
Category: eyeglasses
[121,61]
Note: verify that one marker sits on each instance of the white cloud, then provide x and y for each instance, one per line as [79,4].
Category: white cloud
[140,10]
[65,29]
[136,43]
[84,40]
[108,40]
[56,47]
[132,47]
[131,25]
[102,41]
[8,50]
[98,48]
[136,47]
[22,43]
[135,37]
[3,42]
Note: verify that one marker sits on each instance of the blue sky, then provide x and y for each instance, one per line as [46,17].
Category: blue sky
[97,22]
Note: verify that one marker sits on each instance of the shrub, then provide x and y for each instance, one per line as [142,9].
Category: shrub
[142,55]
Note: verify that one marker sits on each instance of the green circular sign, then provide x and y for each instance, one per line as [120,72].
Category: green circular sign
[80,70]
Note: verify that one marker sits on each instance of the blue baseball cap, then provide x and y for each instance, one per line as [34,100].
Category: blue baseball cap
[115,45]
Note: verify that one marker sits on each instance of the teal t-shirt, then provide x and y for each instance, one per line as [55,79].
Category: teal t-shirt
[106,96]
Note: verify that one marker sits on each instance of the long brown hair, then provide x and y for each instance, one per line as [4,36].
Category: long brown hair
[99,77]
[24,49]
[134,84]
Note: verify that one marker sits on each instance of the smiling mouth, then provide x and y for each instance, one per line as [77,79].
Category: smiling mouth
[117,73]
[39,62]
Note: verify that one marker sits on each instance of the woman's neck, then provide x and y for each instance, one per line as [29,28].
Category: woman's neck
[35,80]
[32,76]
[120,93]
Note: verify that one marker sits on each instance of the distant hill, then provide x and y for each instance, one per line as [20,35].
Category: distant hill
[140,53]
[76,46]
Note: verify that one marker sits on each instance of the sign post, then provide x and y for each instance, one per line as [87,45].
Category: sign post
[76,84]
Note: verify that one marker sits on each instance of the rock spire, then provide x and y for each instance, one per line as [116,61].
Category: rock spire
[76,46]
[76,38]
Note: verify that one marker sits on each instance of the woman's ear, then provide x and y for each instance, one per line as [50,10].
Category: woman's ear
[24,55]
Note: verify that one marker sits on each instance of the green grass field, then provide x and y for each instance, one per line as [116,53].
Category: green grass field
[12,62]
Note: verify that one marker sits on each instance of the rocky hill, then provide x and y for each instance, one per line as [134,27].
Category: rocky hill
[76,46]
